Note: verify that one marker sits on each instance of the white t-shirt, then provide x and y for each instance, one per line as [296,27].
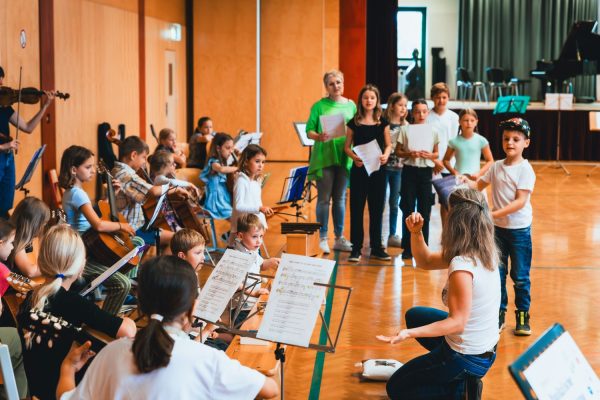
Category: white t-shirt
[448,129]
[505,181]
[481,331]
[195,371]
[247,198]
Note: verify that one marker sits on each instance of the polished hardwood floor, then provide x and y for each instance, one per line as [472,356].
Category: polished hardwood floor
[565,285]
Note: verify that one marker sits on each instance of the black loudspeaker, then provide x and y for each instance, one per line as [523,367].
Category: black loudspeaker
[438,65]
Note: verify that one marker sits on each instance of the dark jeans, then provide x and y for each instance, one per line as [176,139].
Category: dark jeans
[7,182]
[515,243]
[393,178]
[371,189]
[415,192]
[439,374]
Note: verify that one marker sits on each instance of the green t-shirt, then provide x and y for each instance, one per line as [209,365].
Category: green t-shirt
[330,153]
[468,152]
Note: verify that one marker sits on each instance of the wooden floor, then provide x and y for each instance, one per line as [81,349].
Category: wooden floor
[565,286]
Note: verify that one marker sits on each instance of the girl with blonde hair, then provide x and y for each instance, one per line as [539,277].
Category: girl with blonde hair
[61,260]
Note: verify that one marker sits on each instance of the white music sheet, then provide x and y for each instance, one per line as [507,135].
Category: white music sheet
[420,137]
[369,153]
[222,283]
[562,372]
[333,124]
[295,301]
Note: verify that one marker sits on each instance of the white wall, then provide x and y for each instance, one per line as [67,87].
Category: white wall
[442,31]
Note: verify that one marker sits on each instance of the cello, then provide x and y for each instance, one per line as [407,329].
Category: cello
[110,246]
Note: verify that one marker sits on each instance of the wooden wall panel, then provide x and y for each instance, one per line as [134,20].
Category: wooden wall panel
[156,90]
[225,63]
[14,16]
[292,63]
[353,45]
[97,63]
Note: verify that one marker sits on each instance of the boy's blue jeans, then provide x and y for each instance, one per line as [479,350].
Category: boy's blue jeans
[393,178]
[439,374]
[516,244]
[332,185]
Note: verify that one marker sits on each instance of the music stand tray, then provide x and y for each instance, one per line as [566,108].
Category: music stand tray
[511,105]
[28,174]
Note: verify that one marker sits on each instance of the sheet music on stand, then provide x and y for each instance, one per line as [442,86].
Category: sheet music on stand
[295,301]
[33,163]
[511,105]
[293,187]
[553,367]
[159,207]
[222,284]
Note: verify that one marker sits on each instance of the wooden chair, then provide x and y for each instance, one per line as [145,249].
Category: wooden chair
[57,191]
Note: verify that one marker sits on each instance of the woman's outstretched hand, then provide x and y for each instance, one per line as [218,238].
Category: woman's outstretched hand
[402,335]
[415,222]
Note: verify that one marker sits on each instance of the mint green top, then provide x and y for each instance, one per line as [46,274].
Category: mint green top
[330,153]
[468,152]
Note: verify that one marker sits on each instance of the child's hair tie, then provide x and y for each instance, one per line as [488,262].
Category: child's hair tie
[157,317]
[61,276]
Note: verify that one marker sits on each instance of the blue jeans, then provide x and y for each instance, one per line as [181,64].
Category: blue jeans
[393,178]
[515,243]
[7,182]
[439,374]
[332,185]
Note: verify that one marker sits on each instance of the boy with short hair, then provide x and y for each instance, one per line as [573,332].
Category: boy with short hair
[512,181]
[133,154]
[446,120]
[188,244]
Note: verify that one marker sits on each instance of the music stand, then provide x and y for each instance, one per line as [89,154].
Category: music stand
[305,141]
[295,190]
[511,105]
[33,163]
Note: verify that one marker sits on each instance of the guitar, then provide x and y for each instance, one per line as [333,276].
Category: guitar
[110,247]
[22,284]
[39,326]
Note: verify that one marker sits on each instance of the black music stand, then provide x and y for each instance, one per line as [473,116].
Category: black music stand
[33,163]
[295,190]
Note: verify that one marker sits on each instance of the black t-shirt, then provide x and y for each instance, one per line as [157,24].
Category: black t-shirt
[363,134]
[42,364]
[5,114]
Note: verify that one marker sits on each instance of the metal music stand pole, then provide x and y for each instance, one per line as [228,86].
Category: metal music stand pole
[559,164]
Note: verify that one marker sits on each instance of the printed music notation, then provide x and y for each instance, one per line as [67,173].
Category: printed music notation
[222,283]
[295,300]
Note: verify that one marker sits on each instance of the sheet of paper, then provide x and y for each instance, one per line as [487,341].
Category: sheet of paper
[562,372]
[420,137]
[294,302]
[222,284]
[369,153]
[110,271]
[248,138]
[333,124]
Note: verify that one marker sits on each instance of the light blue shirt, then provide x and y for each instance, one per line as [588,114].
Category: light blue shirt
[468,152]
[72,200]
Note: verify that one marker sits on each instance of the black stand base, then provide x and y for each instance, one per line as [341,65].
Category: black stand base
[280,356]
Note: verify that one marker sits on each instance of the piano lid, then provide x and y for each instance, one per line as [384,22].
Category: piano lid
[582,42]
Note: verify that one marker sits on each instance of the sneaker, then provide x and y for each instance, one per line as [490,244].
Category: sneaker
[407,255]
[394,241]
[341,244]
[523,328]
[354,256]
[501,318]
[324,246]
[380,254]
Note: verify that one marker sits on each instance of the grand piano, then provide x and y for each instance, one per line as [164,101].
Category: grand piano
[580,55]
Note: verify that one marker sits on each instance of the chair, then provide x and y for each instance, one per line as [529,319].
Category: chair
[57,191]
[467,89]
[495,77]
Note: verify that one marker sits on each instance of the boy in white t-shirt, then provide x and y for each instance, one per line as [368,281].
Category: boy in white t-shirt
[447,126]
[512,181]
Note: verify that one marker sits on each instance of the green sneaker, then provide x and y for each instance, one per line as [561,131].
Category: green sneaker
[501,318]
[522,328]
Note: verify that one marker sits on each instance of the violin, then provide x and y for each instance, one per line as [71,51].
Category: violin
[27,95]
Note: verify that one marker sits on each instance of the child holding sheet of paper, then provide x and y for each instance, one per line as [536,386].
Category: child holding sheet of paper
[367,126]
[419,146]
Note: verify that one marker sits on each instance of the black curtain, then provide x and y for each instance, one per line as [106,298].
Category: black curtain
[381,46]
[515,34]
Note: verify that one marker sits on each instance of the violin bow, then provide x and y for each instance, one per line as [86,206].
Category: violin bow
[18,106]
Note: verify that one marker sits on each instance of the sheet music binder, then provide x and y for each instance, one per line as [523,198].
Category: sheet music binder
[518,369]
